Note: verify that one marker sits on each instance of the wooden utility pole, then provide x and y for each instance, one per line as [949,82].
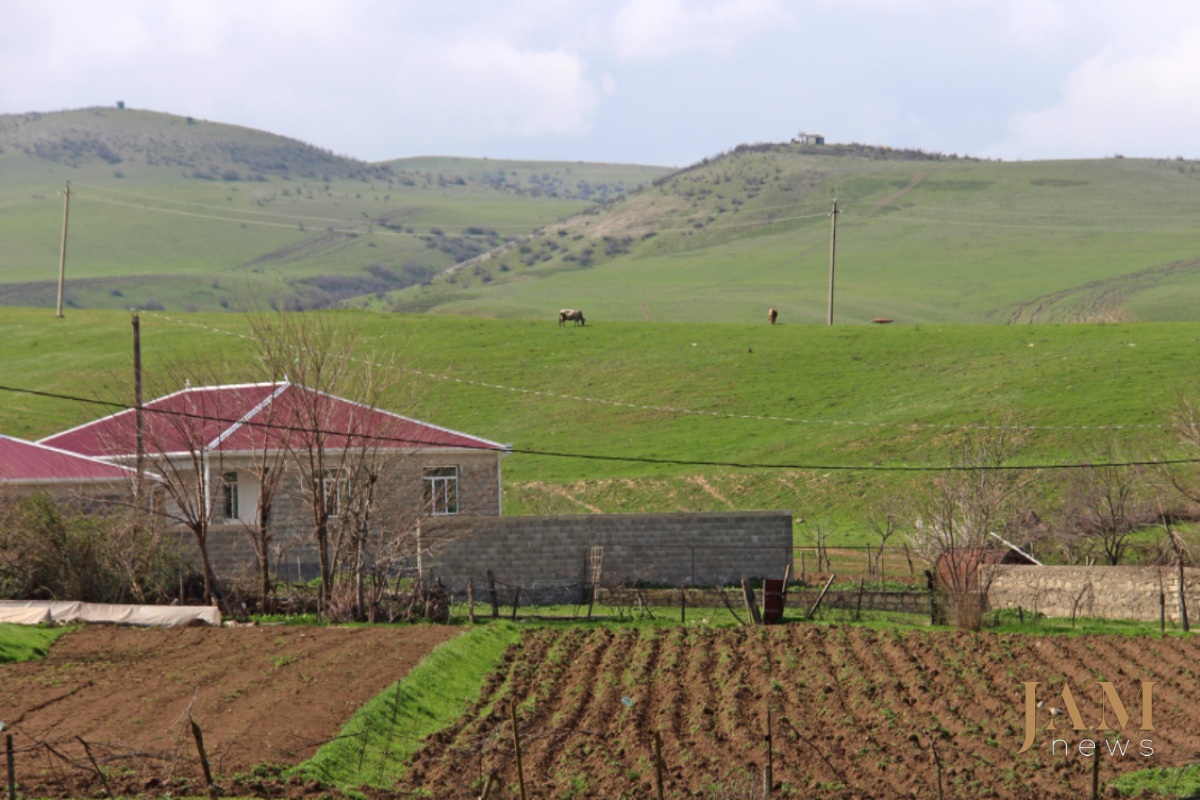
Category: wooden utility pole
[139,479]
[62,255]
[832,257]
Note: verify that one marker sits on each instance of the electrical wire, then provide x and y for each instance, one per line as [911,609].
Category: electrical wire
[749,465]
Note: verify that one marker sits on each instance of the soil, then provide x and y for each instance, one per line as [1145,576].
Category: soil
[854,713]
[260,695]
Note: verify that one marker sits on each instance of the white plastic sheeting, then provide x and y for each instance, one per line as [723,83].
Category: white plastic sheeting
[33,612]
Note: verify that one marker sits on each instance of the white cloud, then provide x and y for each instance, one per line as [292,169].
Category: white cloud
[498,88]
[1036,23]
[1121,101]
[656,29]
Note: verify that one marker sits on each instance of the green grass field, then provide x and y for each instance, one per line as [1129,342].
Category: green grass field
[919,241]
[626,416]
[185,214]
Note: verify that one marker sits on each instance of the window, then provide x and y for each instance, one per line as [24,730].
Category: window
[441,490]
[229,495]
[335,488]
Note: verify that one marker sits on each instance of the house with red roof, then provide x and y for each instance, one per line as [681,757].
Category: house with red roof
[262,456]
[30,466]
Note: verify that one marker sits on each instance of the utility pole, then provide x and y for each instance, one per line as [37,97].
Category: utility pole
[832,255]
[139,479]
[62,257]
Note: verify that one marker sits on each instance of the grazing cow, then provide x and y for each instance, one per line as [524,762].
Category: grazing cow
[772,315]
[573,314]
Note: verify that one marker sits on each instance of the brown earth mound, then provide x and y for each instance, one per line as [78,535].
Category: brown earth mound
[261,695]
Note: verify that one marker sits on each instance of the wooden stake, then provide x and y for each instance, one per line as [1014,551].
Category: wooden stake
[208,780]
[471,600]
[751,604]
[487,787]
[769,768]
[516,602]
[492,591]
[683,601]
[12,769]
[517,749]
[1096,777]
[820,597]
[658,764]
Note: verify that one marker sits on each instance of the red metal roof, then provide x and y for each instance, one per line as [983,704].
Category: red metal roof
[29,462]
[250,417]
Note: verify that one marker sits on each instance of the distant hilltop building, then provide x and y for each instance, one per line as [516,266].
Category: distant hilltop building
[809,138]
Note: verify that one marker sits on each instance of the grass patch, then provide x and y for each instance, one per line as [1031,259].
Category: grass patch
[26,642]
[374,747]
[1160,782]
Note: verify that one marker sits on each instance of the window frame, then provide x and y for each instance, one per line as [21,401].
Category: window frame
[441,490]
[230,499]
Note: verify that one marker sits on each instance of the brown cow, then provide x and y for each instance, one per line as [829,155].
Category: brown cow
[573,314]
[772,315]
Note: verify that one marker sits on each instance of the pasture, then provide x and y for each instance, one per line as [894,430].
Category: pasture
[626,416]
[174,212]
[921,241]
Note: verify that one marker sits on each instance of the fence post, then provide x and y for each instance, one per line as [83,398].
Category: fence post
[682,602]
[751,603]
[768,768]
[517,747]
[491,577]
[12,769]
[658,765]
[471,600]
[208,779]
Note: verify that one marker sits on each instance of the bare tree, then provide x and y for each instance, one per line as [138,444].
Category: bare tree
[885,516]
[960,507]
[332,447]
[1105,501]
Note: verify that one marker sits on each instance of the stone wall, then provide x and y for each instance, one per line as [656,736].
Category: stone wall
[548,556]
[1103,592]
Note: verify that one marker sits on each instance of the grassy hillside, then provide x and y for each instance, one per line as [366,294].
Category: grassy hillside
[185,214]
[921,239]
[656,417]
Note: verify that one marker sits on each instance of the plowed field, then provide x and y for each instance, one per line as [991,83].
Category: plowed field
[260,695]
[853,713]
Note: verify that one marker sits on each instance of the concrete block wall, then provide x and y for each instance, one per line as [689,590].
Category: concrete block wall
[548,557]
[1104,592]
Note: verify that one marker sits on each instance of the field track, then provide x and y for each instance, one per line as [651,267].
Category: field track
[853,713]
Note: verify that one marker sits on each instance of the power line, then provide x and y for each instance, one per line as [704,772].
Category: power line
[621,459]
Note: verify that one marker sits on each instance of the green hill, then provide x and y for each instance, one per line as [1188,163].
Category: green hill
[184,214]
[629,416]
[921,238]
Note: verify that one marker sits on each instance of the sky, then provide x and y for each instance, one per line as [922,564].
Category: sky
[662,82]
